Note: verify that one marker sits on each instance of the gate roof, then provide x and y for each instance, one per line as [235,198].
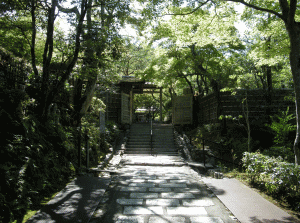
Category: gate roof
[137,86]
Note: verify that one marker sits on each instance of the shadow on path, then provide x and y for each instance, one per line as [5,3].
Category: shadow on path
[75,203]
[285,220]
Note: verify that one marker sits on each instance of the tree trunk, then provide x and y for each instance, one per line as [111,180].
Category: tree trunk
[294,34]
[33,37]
[48,96]
[90,64]
[188,82]
[47,57]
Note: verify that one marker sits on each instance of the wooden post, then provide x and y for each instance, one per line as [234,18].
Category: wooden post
[131,106]
[160,105]
[79,146]
[203,153]
[173,110]
[102,129]
[87,148]
[102,122]
[107,106]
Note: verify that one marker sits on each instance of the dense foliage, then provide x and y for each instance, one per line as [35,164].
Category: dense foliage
[39,157]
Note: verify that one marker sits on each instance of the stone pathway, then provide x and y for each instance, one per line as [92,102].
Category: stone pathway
[147,189]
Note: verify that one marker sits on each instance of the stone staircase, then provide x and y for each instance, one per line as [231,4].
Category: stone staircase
[139,142]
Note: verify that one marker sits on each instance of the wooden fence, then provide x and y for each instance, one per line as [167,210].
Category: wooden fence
[211,107]
[13,71]
[113,106]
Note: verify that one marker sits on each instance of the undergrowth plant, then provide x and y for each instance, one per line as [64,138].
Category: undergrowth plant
[281,126]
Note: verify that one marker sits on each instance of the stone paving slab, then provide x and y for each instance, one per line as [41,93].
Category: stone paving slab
[141,185]
[134,189]
[180,181]
[161,181]
[130,201]
[160,189]
[196,202]
[140,210]
[162,219]
[206,220]
[177,195]
[129,219]
[172,185]
[188,190]
[162,202]
[144,195]
[187,211]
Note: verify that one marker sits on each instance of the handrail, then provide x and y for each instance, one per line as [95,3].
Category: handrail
[220,144]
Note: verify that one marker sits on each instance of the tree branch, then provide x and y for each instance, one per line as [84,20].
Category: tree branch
[77,44]
[67,10]
[48,50]
[180,74]
[258,8]
[33,37]
[158,101]
[188,13]
[293,7]
[71,65]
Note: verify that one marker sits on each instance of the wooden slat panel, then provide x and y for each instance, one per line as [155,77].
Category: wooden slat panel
[183,110]
[232,104]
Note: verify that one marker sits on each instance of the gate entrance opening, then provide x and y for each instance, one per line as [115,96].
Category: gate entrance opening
[129,87]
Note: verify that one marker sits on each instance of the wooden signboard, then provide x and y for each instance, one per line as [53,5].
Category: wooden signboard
[183,109]
[125,108]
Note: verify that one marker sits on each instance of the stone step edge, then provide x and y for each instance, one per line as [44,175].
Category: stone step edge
[156,164]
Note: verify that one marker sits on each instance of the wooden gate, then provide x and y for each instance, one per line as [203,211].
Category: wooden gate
[125,108]
[183,109]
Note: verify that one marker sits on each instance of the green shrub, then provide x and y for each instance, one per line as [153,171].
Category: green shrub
[280,179]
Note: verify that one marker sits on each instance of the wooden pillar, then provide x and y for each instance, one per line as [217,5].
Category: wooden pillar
[160,105]
[107,106]
[131,106]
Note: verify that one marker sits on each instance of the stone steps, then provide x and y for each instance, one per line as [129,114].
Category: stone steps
[157,143]
[139,141]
